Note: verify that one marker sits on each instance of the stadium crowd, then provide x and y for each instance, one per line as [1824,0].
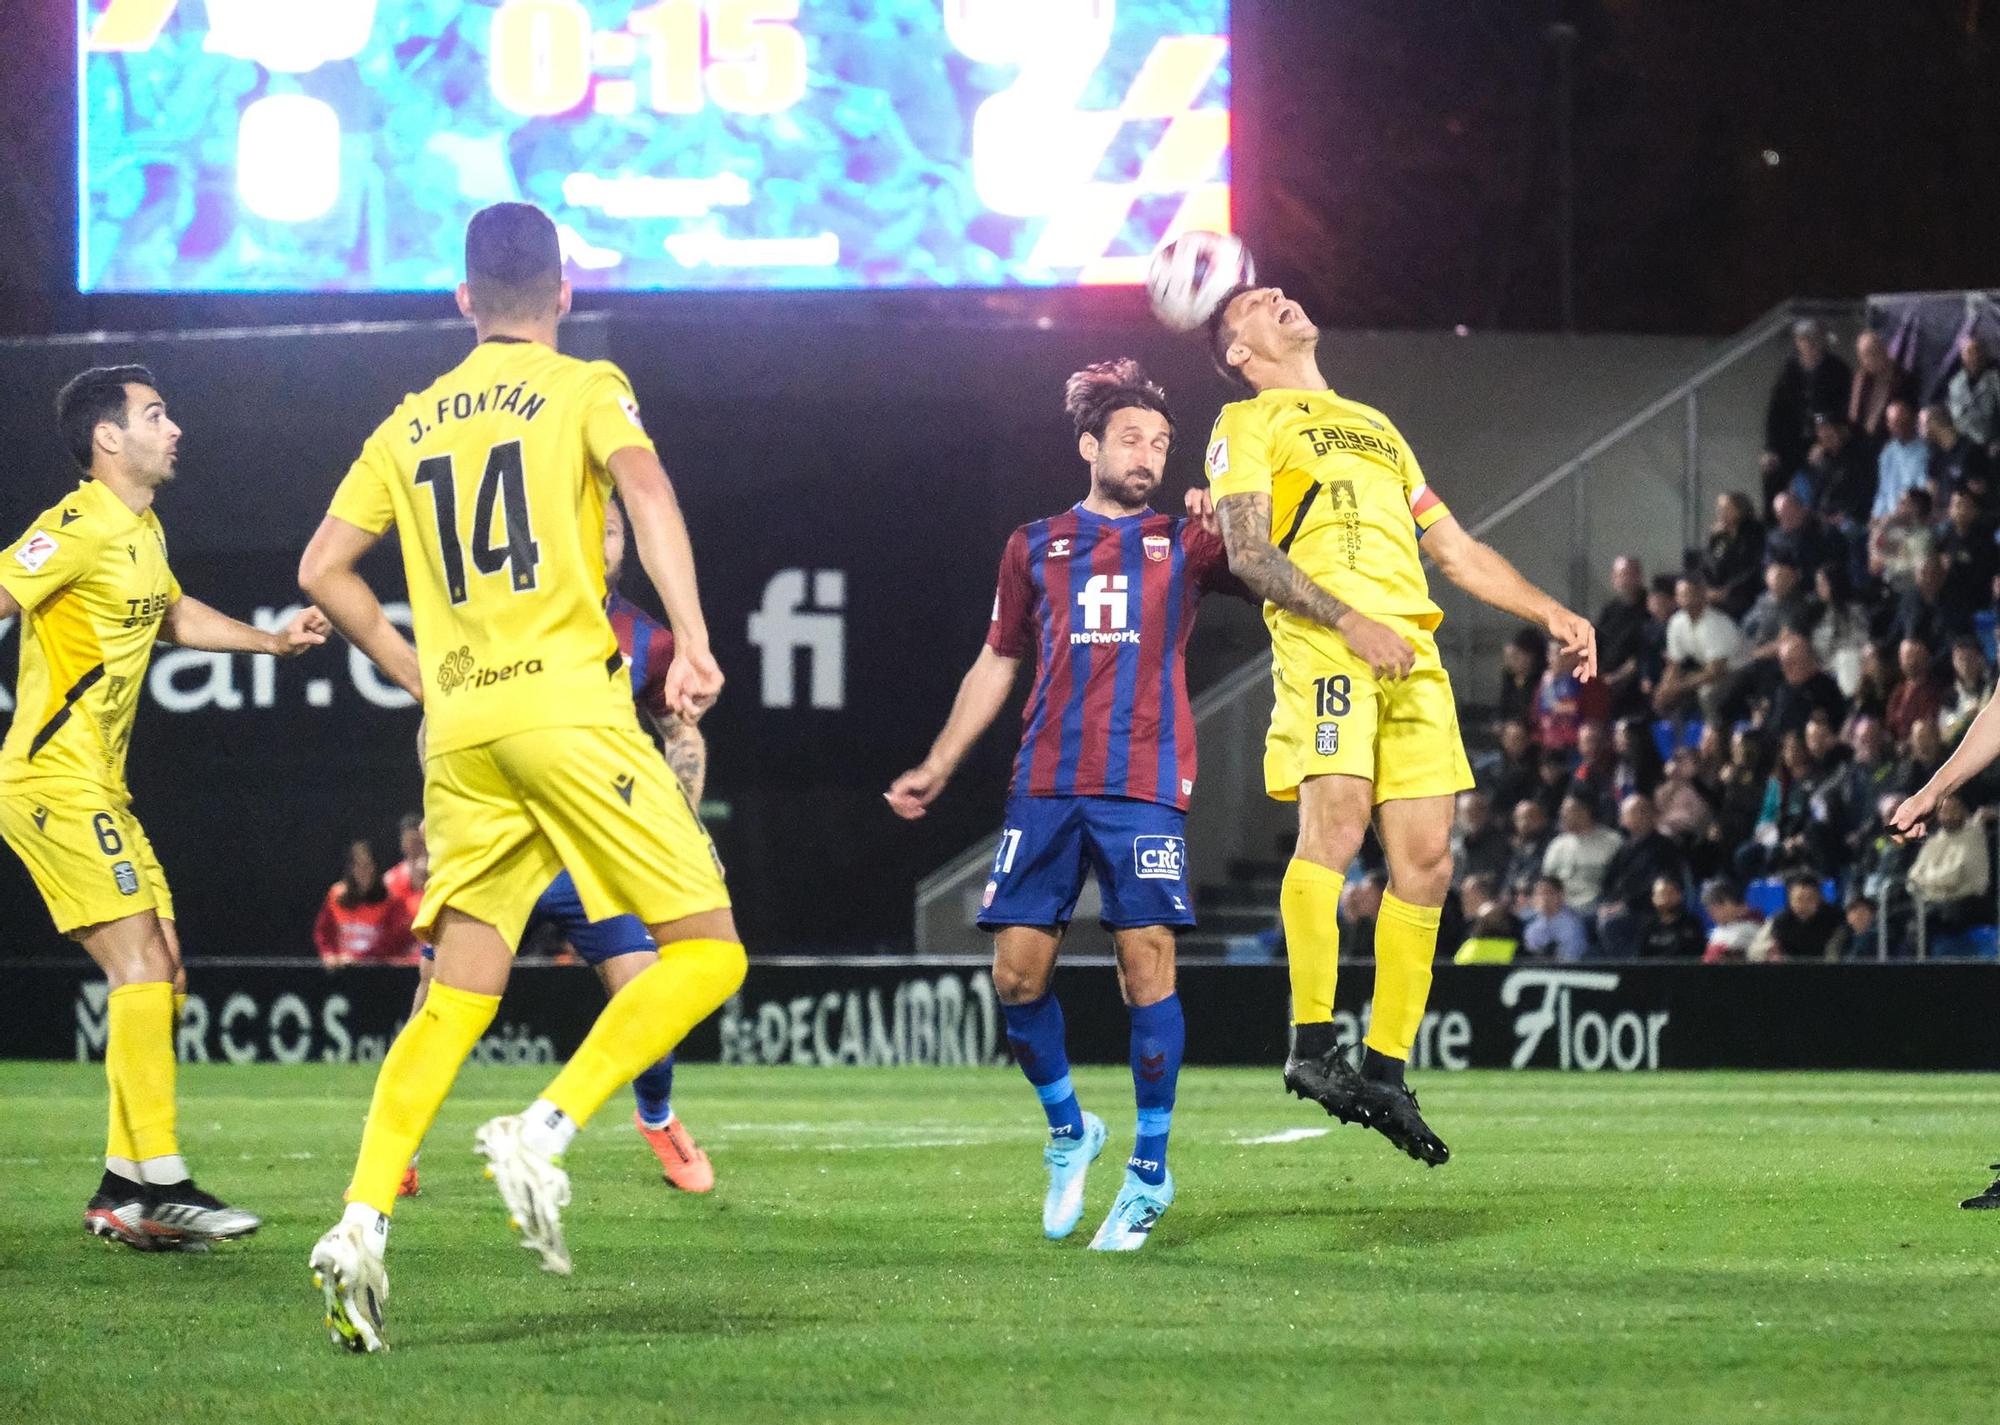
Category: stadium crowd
[1720,791]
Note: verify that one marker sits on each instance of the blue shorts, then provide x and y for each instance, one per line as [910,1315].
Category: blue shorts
[594,941]
[1138,850]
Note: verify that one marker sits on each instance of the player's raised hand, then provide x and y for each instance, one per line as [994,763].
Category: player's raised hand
[694,681]
[1386,652]
[308,629]
[911,794]
[1578,638]
[1201,509]
[1912,819]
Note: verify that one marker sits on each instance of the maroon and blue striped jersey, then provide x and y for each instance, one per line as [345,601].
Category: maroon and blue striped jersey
[1106,605]
[648,647]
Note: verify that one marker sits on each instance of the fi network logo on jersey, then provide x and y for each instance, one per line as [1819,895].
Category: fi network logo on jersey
[784,626]
[1106,606]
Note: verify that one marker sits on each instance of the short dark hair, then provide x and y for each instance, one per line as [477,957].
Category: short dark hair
[1805,878]
[1222,336]
[1096,393]
[91,398]
[1545,879]
[1664,584]
[409,821]
[1721,889]
[513,261]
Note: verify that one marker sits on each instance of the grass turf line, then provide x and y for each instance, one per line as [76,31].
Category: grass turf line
[1674,1247]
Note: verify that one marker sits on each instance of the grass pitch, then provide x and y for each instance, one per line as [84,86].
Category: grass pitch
[1685,1248]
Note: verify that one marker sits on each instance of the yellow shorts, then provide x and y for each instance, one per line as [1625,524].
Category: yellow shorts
[1334,717]
[87,853]
[503,819]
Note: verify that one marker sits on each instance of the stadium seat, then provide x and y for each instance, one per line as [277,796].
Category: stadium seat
[1984,624]
[1980,942]
[1765,895]
[1663,736]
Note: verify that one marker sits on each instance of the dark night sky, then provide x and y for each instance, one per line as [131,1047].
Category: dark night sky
[1395,161]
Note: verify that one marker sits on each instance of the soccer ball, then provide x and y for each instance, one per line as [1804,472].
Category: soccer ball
[1190,274]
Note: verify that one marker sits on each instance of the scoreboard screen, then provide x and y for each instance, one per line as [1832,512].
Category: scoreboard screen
[340,145]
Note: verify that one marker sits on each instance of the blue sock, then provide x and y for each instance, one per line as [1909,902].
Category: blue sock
[1159,1035]
[655,1090]
[1035,1033]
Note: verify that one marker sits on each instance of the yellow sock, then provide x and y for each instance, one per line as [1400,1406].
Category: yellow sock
[416,1075]
[1310,907]
[139,1062]
[118,1140]
[645,1020]
[1406,938]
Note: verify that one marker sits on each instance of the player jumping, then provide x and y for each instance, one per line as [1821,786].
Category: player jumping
[1105,595]
[620,949]
[90,583]
[496,478]
[1322,507]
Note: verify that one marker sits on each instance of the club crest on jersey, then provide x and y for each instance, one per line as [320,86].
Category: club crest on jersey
[1327,742]
[33,554]
[1058,549]
[1159,858]
[1158,546]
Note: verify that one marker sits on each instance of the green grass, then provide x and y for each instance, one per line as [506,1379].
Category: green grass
[1674,1247]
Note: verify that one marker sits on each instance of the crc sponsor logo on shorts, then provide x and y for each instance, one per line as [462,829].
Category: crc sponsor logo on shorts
[460,670]
[1159,858]
[1326,740]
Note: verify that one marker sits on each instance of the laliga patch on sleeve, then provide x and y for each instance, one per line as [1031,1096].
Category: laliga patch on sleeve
[1218,456]
[631,409]
[35,551]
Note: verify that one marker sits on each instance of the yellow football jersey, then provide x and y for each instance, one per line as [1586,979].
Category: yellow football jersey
[93,584]
[495,477]
[1348,499]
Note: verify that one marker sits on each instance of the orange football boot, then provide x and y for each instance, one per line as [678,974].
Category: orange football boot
[683,1164]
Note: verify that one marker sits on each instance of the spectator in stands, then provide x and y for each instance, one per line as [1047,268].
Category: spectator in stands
[1923,614]
[1923,754]
[1971,686]
[1580,853]
[1956,463]
[408,877]
[1795,536]
[1555,782]
[1621,637]
[1898,545]
[1646,855]
[1856,939]
[1511,774]
[1685,812]
[1917,697]
[1554,930]
[1528,847]
[1735,924]
[1953,871]
[1704,646]
[1360,906]
[1493,930]
[1840,627]
[1965,543]
[1868,776]
[1711,759]
[1478,842]
[1522,663]
[1814,379]
[1837,481]
[1638,767]
[1660,608]
[1782,605]
[1785,832]
[1803,689]
[1596,771]
[1668,931]
[1733,559]
[359,921]
[1974,396]
[1903,465]
[1880,676]
[1877,382]
[1805,929]
[1564,703]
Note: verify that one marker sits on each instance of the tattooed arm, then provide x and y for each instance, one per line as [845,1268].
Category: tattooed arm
[1270,574]
[686,751]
